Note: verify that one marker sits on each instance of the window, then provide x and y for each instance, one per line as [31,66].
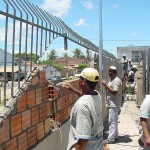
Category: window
[135,57]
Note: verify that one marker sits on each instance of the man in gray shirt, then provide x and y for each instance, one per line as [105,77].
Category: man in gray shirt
[86,121]
[113,102]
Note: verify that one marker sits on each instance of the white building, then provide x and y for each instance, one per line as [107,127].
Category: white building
[51,72]
[134,53]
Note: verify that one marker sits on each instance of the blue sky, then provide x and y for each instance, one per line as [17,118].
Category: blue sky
[124,22]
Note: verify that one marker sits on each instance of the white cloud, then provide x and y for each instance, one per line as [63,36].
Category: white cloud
[81,22]
[57,7]
[87,4]
[134,34]
[115,6]
[2,16]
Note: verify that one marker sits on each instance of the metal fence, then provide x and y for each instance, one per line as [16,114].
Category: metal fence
[27,29]
[143,78]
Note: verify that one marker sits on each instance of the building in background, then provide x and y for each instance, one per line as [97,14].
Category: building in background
[2,57]
[134,53]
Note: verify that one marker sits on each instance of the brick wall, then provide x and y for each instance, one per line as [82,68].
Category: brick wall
[29,122]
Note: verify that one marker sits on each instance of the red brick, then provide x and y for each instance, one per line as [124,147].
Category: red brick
[39,96]
[49,108]
[31,136]
[31,98]
[35,115]
[26,119]
[22,141]
[51,92]
[22,103]
[54,92]
[75,97]
[56,117]
[63,115]
[5,131]
[35,80]
[11,145]
[15,125]
[63,91]
[76,84]
[43,112]
[42,78]
[69,110]
[40,130]
[46,93]
[62,102]
[47,125]
[70,98]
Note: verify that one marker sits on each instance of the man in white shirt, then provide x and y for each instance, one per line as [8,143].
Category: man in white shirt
[113,102]
[86,121]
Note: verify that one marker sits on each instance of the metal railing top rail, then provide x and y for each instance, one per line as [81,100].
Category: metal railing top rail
[21,8]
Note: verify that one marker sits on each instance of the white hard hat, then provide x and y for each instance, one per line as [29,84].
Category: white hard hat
[113,67]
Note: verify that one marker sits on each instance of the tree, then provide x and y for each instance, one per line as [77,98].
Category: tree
[77,53]
[52,55]
[51,63]
[82,56]
[82,66]
[27,57]
[65,55]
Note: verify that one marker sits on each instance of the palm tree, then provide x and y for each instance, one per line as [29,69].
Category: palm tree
[65,55]
[52,55]
[82,56]
[77,53]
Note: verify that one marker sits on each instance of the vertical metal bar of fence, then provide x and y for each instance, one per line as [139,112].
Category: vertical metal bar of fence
[26,38]
[20,43]
[66,28]
[13,49]
[49,16]
[49,27]
[63,29]
[5,55]
[50,21]
[46,27]
[37,29]
[46,46]
[41,44]
[31,40]
[57,24]
[144,73]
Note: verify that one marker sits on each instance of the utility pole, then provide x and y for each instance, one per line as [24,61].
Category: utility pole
[100,46]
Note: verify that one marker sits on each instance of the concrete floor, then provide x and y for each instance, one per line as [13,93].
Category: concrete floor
[128,128]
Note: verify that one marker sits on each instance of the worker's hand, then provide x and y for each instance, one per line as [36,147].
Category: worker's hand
[147,141]
[68,86]
[104,82]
